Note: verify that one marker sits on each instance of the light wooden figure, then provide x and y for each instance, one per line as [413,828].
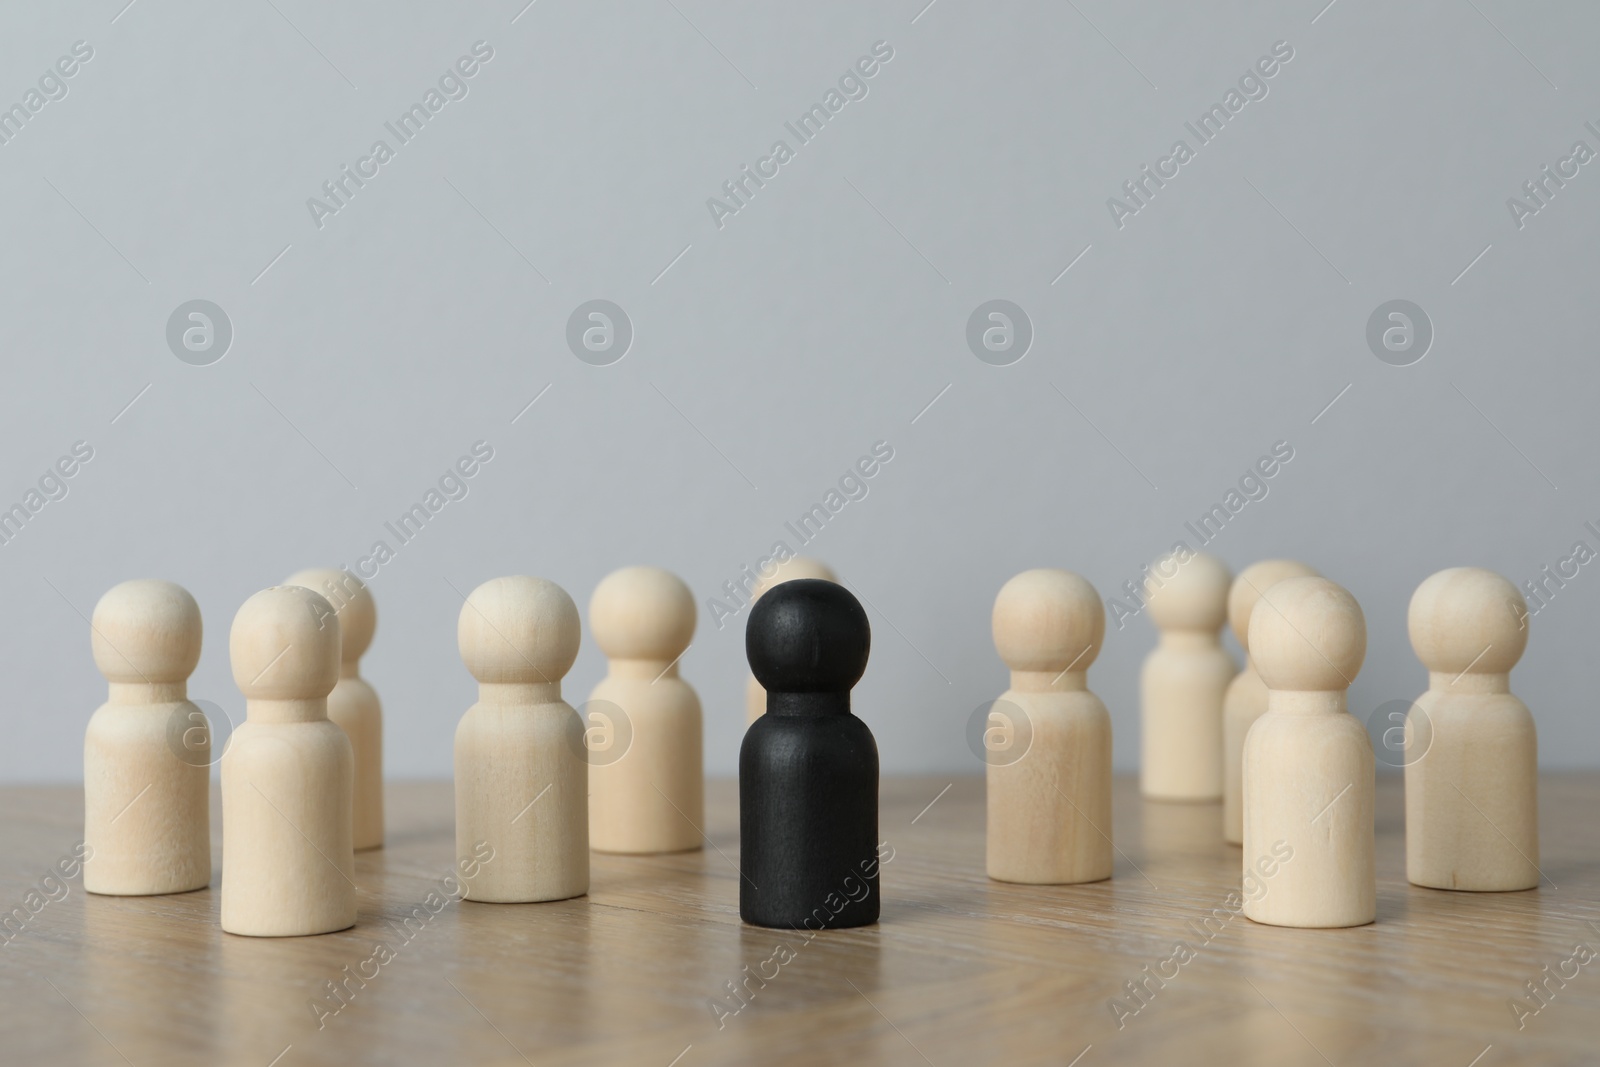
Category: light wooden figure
[755,697]
[521,769]
[353,704]
[1246,697]
[1472,761]
[287,775]
[1183,680]
[1049,804]
[1308,765]
[649,796]
[147,751]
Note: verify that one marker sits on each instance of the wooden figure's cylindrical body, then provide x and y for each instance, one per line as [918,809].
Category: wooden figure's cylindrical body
[147,807]
[1246,698]
[1472,799]
[1472,752]
[147,750]
[287,775]
[353,705]
[652,797]
[1308,774]
[1049,812]
[522,785]
[1243,703]
[288,858]
[808,768]
[808,818]
[521,768]
[1181,690]
[1183,680]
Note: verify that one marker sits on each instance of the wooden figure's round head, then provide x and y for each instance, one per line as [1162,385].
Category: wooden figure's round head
[1048,620]
[146,630]
[1191,595]
[352,602]
[1251,583]
[1307,634]
[284,645]
[792,568]
[518,630]
[642,613]
[1468,618]
[807,635]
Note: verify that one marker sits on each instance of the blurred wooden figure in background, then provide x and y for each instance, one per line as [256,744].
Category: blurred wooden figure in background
[353,704]
[1184,679]
[646,778]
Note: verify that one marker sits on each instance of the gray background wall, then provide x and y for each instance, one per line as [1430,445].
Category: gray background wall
[826,315]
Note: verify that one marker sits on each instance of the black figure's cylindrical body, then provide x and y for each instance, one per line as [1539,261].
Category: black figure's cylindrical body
[808,769]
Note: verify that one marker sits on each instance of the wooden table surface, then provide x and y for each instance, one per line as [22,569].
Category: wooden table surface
[961,970]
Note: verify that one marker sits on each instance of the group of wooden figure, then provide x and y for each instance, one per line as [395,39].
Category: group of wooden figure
[537,787]
[1275,742]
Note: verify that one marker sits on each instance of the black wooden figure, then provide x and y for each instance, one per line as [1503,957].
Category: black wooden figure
[808,769]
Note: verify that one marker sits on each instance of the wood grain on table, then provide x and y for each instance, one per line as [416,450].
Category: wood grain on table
[961,970]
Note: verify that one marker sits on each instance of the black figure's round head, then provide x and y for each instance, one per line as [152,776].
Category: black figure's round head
[807,636]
